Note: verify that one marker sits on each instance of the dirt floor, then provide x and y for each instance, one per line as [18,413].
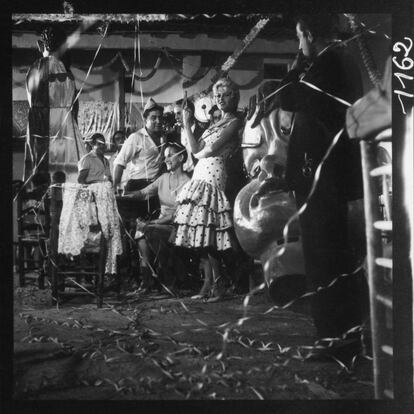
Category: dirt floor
[158,347]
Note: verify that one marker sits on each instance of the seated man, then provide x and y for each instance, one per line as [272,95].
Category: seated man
[155,233]
[94,167]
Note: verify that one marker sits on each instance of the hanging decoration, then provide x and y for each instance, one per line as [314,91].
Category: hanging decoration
[252,83]
[118,56]
[133,73]
[231,60]
[68,8]
[96,87]
[139,64]
[202,107]
[366,54]
[142,94]
[197,77]
[30,173]
[210,16]
[127,67]
[192,79]
[133,117]
[102,28]
[152,72]
[98,116]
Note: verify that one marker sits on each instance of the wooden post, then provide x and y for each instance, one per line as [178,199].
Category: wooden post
[101,270]
[55,209]
[19,237]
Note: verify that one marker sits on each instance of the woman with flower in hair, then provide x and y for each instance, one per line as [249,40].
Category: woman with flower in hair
[204,218]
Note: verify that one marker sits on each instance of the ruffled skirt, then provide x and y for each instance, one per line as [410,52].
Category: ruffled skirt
[203,217]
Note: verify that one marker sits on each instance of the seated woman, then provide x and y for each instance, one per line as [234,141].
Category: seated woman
[155,233]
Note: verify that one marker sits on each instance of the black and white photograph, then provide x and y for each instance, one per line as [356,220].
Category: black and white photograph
[210,206]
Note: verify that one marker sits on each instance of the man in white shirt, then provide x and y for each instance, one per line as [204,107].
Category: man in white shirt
[142,151]
[195,128]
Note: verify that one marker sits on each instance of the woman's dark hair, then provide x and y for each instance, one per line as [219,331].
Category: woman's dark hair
[41,178]
[58,177]
[178,148]
[120,132]
[190,104]
[95,137]
[168,119]
[320,25]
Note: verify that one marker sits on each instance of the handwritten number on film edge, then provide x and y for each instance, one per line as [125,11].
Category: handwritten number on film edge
[406,64]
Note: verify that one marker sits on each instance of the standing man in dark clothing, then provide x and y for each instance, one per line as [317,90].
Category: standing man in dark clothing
[323,64]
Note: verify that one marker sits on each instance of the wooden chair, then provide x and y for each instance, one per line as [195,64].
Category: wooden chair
[377,173]
[80,275]
[33,225]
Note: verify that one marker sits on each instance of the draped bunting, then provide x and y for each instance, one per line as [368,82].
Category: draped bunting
[173,60]
[98,116]
[93,117]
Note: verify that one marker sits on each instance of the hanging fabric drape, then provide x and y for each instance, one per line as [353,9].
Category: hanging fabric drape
[98,116]
[85,206]
[124,61]
[92,117]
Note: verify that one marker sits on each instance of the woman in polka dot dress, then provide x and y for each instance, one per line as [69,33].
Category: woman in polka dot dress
[203,218]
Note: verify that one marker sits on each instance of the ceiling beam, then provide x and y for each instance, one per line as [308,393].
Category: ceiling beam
[76,18]
[173,42]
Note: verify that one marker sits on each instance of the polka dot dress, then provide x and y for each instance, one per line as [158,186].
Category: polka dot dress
[203,217]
